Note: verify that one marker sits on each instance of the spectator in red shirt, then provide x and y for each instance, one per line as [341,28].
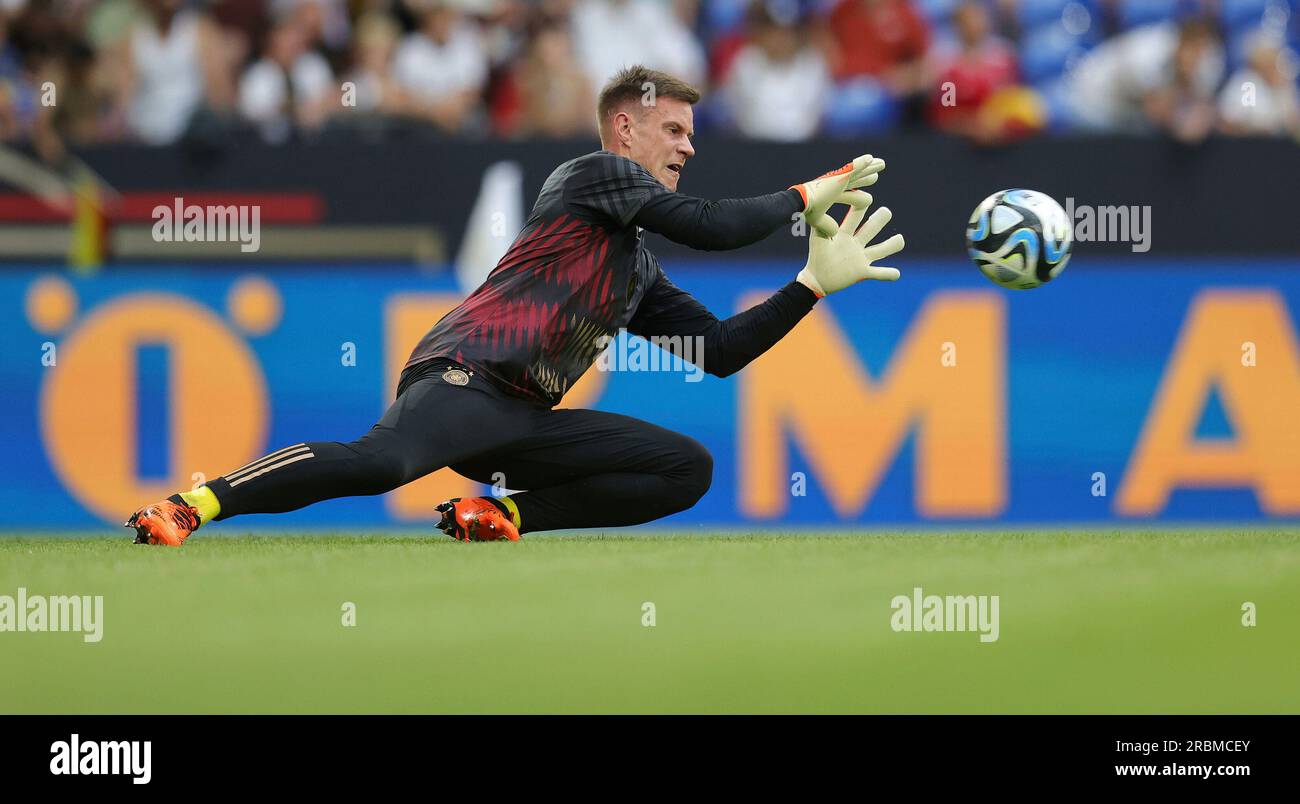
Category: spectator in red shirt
[979,66]
[883,39]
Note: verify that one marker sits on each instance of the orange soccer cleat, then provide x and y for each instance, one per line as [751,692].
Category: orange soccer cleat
[476,519]
[166,523]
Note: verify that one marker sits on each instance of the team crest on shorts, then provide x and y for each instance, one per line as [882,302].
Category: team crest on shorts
[456,377]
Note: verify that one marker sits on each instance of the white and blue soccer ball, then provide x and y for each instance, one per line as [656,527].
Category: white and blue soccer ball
[1020,239]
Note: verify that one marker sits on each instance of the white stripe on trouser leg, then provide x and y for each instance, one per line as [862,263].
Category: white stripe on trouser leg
[272,458]
[260,472]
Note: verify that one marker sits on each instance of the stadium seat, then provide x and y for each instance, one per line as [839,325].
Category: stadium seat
[711,114]
[936,11]
[943,37]
[1036,13]
[721,17]
[1133,13]
[1056,96]
[1238,14]
[859,106]
[1236,49]
[1238,43]
[1047,51]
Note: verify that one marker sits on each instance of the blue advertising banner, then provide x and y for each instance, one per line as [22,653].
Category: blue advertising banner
[1131,390]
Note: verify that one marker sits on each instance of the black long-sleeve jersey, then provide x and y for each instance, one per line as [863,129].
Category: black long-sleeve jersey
[578,273]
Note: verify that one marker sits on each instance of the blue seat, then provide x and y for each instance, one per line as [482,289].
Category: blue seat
[936,11]
[1047,51]
[1237,14]
[942,35]
[1036,13]
[712,114]
[859,106]
[1236,47]
[1133,13]
[720,17]
[1056,97]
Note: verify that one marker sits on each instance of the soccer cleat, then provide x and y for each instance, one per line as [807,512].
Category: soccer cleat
[166,523]
[476,519]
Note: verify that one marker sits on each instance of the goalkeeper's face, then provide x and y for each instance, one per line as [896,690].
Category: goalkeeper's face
[660,139]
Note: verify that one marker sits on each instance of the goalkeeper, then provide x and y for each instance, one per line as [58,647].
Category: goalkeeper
[479,390]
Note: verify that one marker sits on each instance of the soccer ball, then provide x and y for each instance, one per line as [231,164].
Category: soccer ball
[1019,238]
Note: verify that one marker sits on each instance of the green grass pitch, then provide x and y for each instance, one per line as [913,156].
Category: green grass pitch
[1090,621]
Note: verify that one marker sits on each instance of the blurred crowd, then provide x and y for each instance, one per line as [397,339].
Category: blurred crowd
[161,71]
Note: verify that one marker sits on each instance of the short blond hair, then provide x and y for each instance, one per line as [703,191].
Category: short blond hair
[630,84]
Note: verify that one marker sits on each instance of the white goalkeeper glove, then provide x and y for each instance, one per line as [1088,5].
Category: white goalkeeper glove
[846,258]
[825,190]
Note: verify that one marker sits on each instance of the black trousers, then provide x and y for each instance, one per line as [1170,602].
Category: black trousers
[580,468]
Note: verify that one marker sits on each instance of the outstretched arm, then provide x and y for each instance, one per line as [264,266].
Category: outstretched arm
[718,225]
[736,222]
[669,313]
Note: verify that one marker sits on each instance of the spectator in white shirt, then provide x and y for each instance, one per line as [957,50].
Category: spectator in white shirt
[442,66]
[1149,77]
[377,90]
[290,88]
[1261,98]
[612,34]
[325,22]
[169,66]
[1183,105]
[779,83]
